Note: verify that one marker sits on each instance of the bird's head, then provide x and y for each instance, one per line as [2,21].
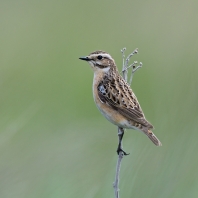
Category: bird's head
[100,61]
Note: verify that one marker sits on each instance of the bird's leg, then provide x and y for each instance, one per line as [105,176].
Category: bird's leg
[120,136]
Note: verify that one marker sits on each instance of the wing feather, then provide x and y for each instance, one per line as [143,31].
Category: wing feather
[121,98]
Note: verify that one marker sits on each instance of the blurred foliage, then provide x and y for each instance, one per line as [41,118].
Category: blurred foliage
[53,141]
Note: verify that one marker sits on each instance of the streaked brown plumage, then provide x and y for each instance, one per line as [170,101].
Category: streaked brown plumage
[114,97]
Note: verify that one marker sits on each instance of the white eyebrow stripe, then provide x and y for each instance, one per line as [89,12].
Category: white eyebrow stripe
[103,55]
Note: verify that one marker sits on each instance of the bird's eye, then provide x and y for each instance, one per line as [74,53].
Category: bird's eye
[99,57]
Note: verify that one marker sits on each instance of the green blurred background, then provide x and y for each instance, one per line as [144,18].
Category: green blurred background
[54,143]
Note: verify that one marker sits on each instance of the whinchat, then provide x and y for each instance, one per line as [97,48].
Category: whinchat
[114,97]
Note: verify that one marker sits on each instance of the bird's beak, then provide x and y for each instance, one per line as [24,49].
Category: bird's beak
[86,58]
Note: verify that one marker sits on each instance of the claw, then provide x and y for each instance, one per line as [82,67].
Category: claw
[120,150]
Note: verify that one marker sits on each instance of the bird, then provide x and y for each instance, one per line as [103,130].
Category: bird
[114,97]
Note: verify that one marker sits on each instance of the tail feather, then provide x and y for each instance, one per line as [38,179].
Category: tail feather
[152,137]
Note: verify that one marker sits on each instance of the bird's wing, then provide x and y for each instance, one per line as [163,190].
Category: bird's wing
[120,97]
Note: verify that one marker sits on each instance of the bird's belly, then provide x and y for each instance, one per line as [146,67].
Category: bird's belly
[113,116]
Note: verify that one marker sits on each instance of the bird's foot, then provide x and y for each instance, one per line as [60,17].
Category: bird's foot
[120,150]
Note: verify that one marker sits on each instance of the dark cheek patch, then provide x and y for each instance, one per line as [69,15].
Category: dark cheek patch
[101,66]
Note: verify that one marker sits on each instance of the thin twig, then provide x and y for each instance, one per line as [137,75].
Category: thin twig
[125,68]
[132,65]
[127,62]
[134,69]
[120,130]
[116,183]
[123,64]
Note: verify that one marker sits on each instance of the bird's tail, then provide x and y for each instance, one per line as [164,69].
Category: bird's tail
[152,137]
